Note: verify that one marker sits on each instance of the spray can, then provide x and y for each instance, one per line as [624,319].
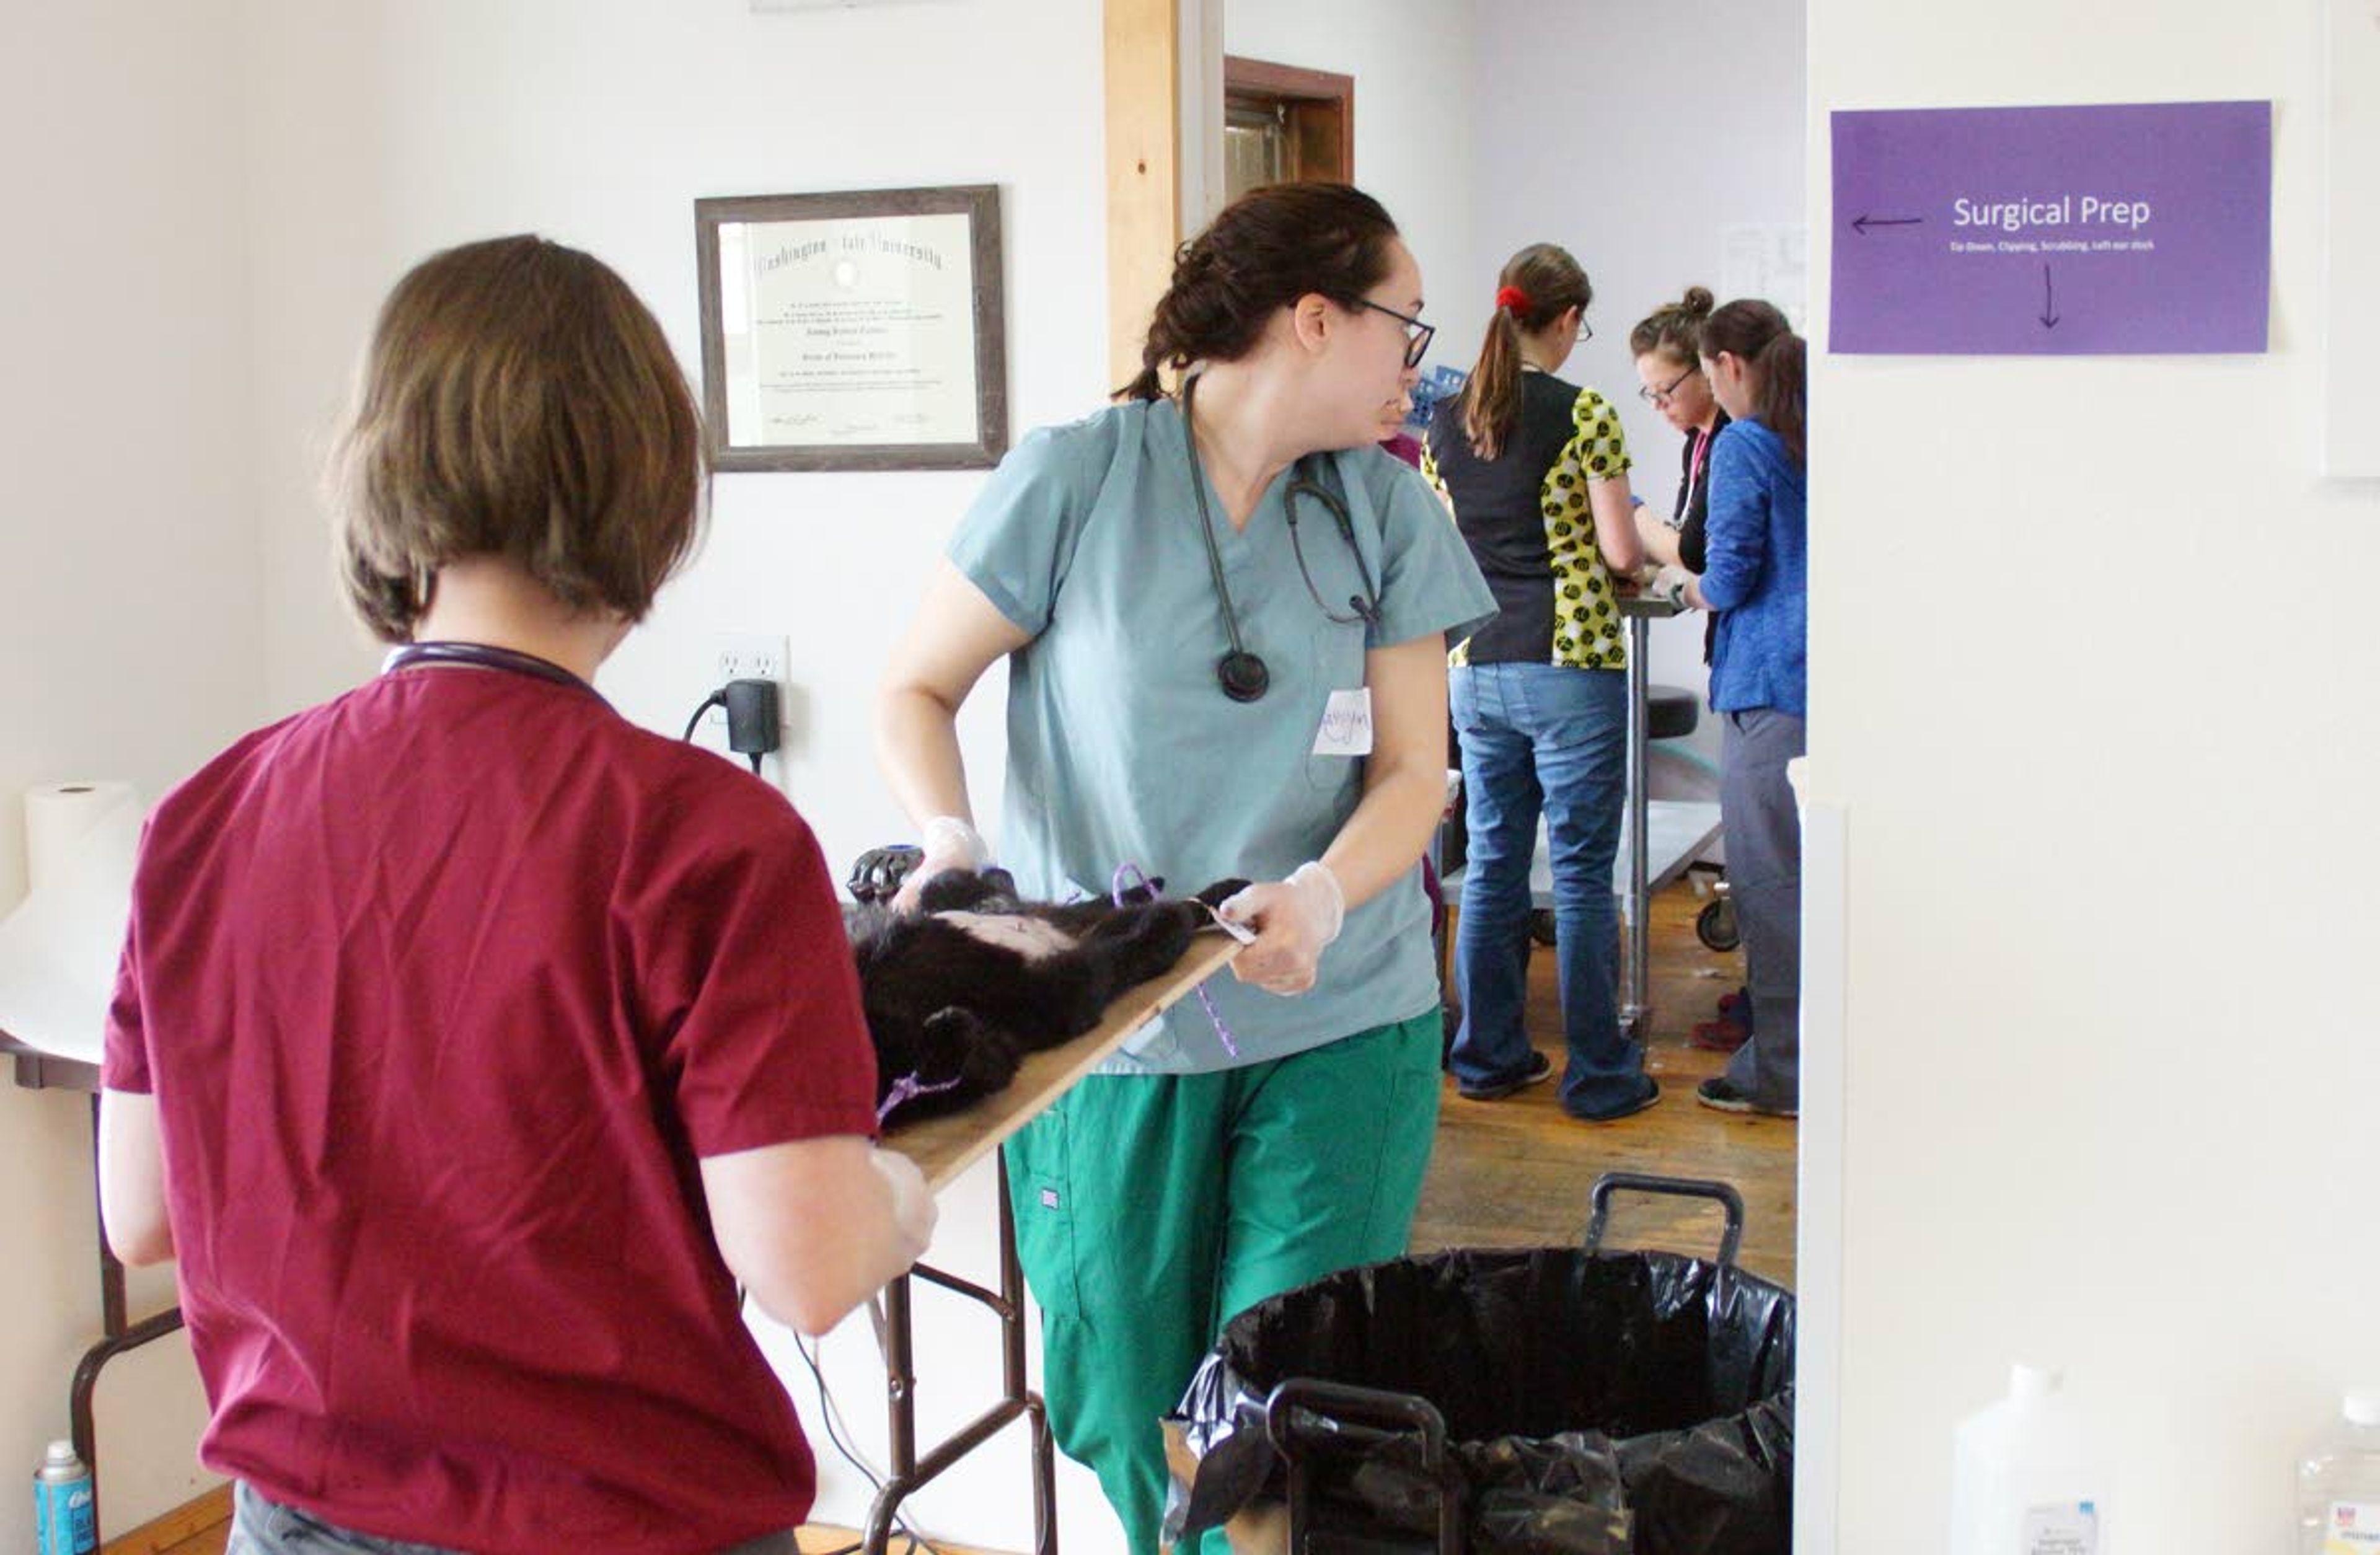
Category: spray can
[64,1521]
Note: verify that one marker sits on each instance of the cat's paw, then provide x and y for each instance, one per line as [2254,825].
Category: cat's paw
[1222,891]
[961,1044]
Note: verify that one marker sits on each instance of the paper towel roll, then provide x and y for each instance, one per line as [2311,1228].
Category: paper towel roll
[58,816]
[58,949]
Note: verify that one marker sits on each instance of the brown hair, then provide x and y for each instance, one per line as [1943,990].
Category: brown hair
[1268,247]
[1673,329]
[1754,333]
[518,400]
[1549,282]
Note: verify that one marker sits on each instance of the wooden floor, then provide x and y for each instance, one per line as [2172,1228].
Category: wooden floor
[1514,1172]
[1517,1172]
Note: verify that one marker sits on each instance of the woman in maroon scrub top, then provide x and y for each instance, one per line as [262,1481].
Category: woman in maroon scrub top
[471,1043]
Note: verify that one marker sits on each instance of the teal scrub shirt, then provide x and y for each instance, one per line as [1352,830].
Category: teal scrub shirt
[1123,750]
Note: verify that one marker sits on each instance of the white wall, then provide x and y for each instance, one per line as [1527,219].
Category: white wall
[1595,130]
[128,601]
[1414,135]
[2110,871]
[385,131]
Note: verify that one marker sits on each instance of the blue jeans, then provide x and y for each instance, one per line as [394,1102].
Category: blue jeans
[1539,737]
[260,1526]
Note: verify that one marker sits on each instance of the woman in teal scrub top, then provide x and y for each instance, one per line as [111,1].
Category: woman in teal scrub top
[1226,614]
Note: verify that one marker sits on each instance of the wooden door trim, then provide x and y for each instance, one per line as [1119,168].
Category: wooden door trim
[1143,169]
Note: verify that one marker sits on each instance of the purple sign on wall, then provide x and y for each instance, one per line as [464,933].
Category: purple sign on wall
[2075,231]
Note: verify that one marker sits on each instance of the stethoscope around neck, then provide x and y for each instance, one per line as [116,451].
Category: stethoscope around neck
[1243,673]
[483,656]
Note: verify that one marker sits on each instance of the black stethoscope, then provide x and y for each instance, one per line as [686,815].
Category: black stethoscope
[1243,676]
[484,656]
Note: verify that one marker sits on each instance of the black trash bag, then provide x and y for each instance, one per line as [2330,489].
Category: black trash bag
[1637,1403]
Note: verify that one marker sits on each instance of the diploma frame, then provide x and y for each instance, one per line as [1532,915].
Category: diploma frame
[861,217]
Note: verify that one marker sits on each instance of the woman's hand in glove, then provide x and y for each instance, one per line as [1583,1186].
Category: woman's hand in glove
[949,842]
[1293,920]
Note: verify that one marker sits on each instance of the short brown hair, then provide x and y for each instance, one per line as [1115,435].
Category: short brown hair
[516,400]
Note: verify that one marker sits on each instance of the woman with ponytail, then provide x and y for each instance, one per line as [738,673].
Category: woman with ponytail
[1756,577]
[1225,611]
[1535,470]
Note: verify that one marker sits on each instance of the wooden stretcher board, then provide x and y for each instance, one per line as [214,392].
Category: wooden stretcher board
[945,1146]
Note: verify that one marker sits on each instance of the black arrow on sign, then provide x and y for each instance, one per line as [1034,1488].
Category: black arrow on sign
[2048,300]
[1863,222]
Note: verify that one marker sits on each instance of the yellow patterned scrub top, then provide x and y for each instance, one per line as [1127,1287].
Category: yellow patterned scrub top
[1526,516]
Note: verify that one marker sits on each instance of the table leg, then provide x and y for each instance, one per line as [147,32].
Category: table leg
[117,1335]
[1633,1008]
[910,1472]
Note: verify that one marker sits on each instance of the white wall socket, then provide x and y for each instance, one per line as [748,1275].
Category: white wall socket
[745,656]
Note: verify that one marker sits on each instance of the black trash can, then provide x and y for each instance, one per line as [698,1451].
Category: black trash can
[1553,1400]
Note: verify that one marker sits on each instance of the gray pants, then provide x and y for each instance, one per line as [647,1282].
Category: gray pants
[1764,879]
[261,1527]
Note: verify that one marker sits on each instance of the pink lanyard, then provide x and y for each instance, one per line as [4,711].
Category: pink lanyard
[1702,453]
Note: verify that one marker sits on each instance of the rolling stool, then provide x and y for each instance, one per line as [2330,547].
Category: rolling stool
[1672,712]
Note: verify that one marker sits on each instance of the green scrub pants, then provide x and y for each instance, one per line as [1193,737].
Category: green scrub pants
[1152,1209]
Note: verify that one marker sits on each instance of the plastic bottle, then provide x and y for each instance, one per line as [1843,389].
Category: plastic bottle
[2338,1482]
[2027,1477]
[64,1523]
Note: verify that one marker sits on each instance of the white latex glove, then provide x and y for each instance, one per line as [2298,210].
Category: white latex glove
[1293,920]
[949,843]
[914,1212]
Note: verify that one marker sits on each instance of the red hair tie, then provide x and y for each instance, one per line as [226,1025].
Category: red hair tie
[1512,300]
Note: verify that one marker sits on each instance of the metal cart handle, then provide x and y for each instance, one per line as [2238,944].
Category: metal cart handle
[1374,1409]
[1724,1194]
[1351,1405]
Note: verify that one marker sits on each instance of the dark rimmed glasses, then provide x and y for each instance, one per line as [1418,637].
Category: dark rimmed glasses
[1418,335]
[1659,399]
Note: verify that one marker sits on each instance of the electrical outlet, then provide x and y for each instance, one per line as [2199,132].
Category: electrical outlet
[746,656]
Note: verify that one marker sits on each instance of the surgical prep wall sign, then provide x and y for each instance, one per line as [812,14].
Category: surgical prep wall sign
[2060,231]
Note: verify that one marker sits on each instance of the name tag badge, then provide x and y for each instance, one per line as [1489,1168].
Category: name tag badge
[1346,725]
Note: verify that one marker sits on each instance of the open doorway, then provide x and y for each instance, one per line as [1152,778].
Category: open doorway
[1283,122]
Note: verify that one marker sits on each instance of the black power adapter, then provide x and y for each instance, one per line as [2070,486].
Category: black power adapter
[751,717]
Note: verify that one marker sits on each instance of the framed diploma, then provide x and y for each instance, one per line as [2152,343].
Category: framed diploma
[853,330]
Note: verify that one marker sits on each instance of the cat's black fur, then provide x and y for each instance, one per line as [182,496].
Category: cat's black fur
[944,1004]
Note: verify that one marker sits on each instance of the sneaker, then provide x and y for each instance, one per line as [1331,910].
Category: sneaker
[1721,1036]
[1540,1070]
[1719,1093]
[1629,1109]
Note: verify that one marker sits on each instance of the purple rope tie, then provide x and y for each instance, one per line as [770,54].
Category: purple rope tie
[1129,875]
[908,1088]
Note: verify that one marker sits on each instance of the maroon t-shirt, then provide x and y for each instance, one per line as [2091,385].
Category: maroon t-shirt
[442,989]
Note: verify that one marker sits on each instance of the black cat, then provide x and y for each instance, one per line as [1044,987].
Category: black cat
[959,991]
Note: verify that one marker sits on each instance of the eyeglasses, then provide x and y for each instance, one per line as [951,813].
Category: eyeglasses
[1418,335]
[1662,396]
[1585,330]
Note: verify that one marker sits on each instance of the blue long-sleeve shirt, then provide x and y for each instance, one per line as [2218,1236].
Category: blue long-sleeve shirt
[1757,573]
